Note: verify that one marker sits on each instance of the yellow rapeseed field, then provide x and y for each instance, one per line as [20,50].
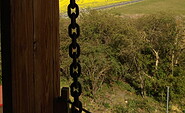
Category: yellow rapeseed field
[88,3]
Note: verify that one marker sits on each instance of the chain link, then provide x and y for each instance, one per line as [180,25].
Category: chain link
[74,53]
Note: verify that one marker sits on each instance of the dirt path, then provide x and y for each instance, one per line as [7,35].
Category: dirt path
[117,4]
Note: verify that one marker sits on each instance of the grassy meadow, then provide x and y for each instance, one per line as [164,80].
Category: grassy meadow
[152,7]
[88,3]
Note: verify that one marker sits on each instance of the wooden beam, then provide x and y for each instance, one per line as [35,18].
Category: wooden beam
[46,23]
[30,55]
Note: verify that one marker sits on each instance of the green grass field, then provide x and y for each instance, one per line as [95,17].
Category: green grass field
[152,6]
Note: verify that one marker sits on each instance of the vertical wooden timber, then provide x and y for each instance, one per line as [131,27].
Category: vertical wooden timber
[30,55]
[6,56]
[46,21]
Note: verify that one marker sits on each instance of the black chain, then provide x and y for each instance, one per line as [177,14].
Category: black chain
[74,53]
[69,101]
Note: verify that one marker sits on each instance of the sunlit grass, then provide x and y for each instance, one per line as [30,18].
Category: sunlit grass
[152,6]
[88,3]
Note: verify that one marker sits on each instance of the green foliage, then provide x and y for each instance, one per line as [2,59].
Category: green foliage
[120,109]
[163,38]
[145,55]
[136,106]
[106,105]
[125,86]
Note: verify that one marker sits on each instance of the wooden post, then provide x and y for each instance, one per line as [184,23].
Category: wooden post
[62,104]
[30,55]
[65,98]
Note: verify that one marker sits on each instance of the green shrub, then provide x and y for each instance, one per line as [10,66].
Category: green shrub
[120,109]
[106,105]
[147,53]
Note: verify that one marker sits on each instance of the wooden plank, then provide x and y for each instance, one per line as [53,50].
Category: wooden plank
[56,84]
[30,50]
[46,54]
[22,56]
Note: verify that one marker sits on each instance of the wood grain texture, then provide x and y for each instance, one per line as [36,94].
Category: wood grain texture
[22,56]
[46,46]
[33,75]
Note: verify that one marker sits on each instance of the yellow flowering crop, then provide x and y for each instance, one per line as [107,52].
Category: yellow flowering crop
[88,3]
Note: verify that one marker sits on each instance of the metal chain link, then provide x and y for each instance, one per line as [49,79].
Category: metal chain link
[74,53]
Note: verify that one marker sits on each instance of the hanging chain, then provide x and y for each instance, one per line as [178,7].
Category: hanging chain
[74,53]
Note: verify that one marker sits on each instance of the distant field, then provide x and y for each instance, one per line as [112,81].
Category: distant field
[152,6]
[88,3]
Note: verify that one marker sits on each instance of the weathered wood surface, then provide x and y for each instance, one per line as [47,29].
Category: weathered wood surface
[30,51]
